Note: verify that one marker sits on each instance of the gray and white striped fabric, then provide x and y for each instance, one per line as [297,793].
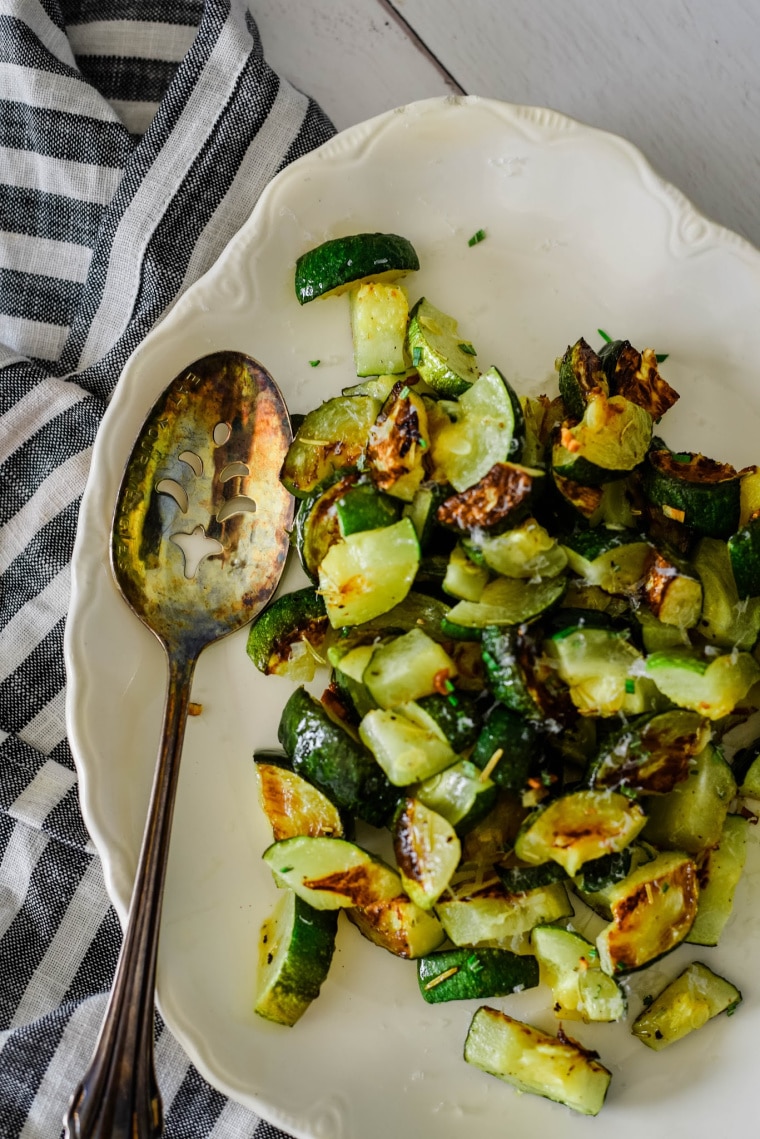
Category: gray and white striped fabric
[135,138]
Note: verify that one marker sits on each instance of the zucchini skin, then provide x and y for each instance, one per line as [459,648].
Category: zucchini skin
[698,492]
[334,762]
[479,973]
[342,261]
[289,618]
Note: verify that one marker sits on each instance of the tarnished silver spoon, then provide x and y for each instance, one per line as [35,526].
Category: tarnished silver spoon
[198,544]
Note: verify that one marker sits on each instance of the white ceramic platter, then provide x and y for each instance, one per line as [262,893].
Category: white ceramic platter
[581,235]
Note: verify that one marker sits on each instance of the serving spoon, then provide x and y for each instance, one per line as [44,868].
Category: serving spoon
[198,544]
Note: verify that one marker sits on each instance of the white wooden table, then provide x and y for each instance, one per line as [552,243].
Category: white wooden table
[678,78]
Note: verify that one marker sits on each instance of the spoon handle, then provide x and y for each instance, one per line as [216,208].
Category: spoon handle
[118,1096]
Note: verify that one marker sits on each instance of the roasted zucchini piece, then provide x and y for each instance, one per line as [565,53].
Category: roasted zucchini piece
[379,312]
[603,671]
[317,525]
[569,965]
[331,873]
[651,754]
[720,869]
[507,601]
[406,668]
[744,553]
[337,264]
[289,637]
[695,491]
[581,375]
[652,909]
[528,550]
[726,620]
[460,794]
[509,746]
[444,360]
[427,851]
[362,507]
[332,437]
[469,974]
[399,926]
[504,495]
[672,590]
[457,714]
[520,677]
[296,946]
[578,827]
[695,997]
[292,804]
[635,376]
[464,579]
[487,428]
[398,443]
[330,758]
[409,747]
[488,915]
[746,769]
[532,1061]
[712,686]
[613,560]
[367,573]
[611,439]
[691,817]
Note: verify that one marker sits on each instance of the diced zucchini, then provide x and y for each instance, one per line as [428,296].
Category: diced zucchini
[330,758]
[427,851]
[516,676]
[535,1062]
[720,869]
[406,668]
[407,751]
[444,360]
[488,429]
[611,439]
[690,489]
[398,443]
[296,946]
[464,579]
[331,873]
[317,525]
[636,376]
[652,909]
[615,560]
[596,890]
[569,965]
[457,715]
[288,638]
[749,495]
[656,636]
[368,573]
[746,769]
[292,804]
[744,552]
[602,669]
[673,591]
[459,794]
[726,620]
[509,746]
[695,997]
[581,375]
[363,507]
[332,437]
[691,816]
[337,264]
[526,551]
[472,974]
[490,916]
[349,664]
[379,313]
[399,926]
[711,686]
[578,827]
[651,754]
[498,500]
[508,601]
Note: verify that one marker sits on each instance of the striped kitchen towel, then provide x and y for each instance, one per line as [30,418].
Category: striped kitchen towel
[135,138]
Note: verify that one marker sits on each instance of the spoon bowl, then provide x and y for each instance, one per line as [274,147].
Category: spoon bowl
[198,544]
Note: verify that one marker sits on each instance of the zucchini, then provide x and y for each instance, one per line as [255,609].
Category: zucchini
[635,376]
[407,747]
[569,965]
[427,851]
[379,312]
[456,714]
[746,769]
[578,827]
[464,579]
[744,554]
[652,909]
[518,676]
[581,375]
[444,360]
[422,511]
[327,756]
[288,638]
[726,620]
[651,754]
[331,873]
[613,560]
[498,500]
[611,439]
[406,668]
[602,670]
[488,428]
[533,1061]
[334,266]
[488,915]
[672,590]
[696,996]
[526,551]
[317,525]
[749,495]
[398,443]
[363,507]
[720,869]
[460,794]
[292,804]
[332,437]
[596,888]
[691,817]
[507,601]
[509,746]
[296,946]
[398,926]
[711,686]
[471,974]
[699,493]
[366,574]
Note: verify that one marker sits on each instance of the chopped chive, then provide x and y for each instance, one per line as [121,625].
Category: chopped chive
[422,443]
[732,1008]
[416,356]
[477,237]
[404,392]
[467,348]
[661,356]
[315,363]
[605,337]
[453,701]
[648,999]
[630,686]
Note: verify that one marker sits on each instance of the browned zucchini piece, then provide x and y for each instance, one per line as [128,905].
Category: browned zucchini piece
[497,501]
[635,375]
[700,493]
[398,443]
